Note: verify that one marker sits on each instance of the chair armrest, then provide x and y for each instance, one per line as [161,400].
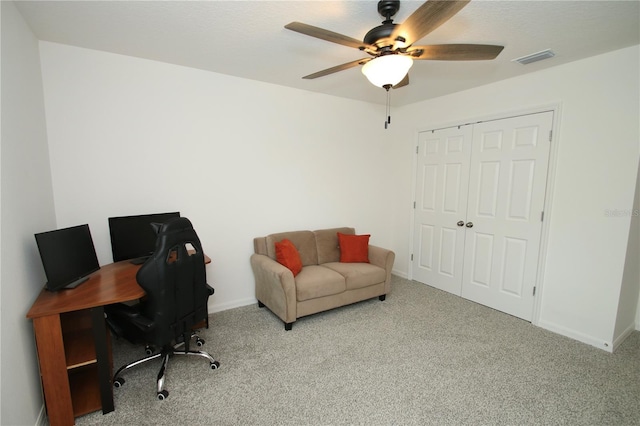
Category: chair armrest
[275,287]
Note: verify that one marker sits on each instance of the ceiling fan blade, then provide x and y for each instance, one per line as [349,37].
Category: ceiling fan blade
[327,35]
[425,19]
[337,68]
[403,82]
[455,52]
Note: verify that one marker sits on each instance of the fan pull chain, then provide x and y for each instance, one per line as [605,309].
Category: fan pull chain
[388,110]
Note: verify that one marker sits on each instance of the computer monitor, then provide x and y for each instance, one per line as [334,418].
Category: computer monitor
[68,256]
[133,237]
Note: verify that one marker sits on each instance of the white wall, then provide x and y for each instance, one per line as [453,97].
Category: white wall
[240,158]
[26,206]
[628,300]
[131,136]
[234,165]
[596,169]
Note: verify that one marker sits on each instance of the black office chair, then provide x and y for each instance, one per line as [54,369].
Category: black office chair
[174,279]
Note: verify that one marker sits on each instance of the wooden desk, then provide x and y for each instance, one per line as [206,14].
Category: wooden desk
[74,349]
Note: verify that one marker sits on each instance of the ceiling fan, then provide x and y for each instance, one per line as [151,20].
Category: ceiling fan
[390,45]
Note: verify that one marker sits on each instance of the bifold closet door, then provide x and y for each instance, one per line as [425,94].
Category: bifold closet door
[480,193]
[508,177]
[441,203]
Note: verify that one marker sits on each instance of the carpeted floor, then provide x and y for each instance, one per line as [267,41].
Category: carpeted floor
[422,357]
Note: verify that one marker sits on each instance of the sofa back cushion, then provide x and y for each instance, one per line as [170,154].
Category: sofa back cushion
[327,243]
[304,241]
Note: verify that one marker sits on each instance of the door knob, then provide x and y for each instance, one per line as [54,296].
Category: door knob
[460,223]
[469,225]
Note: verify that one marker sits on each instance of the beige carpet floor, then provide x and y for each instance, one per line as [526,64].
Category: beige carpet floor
[422,357]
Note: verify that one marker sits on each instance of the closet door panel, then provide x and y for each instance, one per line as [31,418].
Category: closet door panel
[508,174]
[441,202]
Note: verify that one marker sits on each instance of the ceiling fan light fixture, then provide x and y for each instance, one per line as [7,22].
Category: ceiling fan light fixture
[387,70]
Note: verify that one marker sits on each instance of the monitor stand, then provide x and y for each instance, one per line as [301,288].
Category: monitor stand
[77,282]
[73,284]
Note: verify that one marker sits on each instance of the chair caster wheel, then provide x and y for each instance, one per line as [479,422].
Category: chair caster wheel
[118,382]
[214,365]
[199,342]
[149,350]
[163,394]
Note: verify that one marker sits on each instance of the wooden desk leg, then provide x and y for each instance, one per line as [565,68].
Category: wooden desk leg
[53,369]
[102,355]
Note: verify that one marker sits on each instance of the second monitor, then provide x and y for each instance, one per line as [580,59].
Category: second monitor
[133,237]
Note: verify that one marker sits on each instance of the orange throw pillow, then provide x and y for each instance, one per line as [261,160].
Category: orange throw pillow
[287,255]
[354,248]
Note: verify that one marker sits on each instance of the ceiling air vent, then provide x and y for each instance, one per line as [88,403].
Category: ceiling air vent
[535,57]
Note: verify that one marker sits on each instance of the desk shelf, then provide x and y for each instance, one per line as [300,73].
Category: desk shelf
[77,352]
[82,361]
[85,392]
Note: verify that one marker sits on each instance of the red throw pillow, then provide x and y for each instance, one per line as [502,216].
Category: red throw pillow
[354,248]
[287,255]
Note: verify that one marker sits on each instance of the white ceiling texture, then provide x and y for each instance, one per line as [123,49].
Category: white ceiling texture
[247,38]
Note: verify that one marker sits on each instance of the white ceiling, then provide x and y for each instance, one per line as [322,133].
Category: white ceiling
[247,38]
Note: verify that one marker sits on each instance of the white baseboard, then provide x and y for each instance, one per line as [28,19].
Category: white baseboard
[401,274]
[575,335]
[219,307]
[630,329]
[42,419]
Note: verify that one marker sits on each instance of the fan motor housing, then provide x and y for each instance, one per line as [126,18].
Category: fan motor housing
[387,9]
[379,34]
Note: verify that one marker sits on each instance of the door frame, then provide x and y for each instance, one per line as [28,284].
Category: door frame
[548,197]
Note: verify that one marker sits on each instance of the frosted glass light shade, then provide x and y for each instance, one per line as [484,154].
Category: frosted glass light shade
[388,69]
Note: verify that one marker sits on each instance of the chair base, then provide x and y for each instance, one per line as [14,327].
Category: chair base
[165,354]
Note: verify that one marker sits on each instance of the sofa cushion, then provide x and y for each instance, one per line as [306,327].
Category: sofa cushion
[327,243]
[305,242]
[316,281]
[358,275]
[287,255]
[354,248]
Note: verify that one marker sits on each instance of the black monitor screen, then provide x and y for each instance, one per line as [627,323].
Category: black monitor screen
[133,237]
[68,256]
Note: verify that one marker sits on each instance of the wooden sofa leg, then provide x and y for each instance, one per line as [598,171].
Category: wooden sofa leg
[260,304]
[384,296]
[288,325]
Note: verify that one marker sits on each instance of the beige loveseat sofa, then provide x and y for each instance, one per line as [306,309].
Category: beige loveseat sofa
[324,282]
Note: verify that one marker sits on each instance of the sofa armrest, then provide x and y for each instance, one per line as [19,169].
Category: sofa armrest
[383,258]
[275,287]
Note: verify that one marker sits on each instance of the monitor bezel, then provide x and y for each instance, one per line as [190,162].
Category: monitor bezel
[48,255]
[116,250]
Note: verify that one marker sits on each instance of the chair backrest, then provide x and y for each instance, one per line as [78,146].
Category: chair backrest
[175,281]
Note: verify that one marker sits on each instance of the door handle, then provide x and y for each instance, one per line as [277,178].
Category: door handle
[469,225]
[460,223]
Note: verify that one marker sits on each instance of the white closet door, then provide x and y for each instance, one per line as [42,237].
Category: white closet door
[508,175]
[441,202]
